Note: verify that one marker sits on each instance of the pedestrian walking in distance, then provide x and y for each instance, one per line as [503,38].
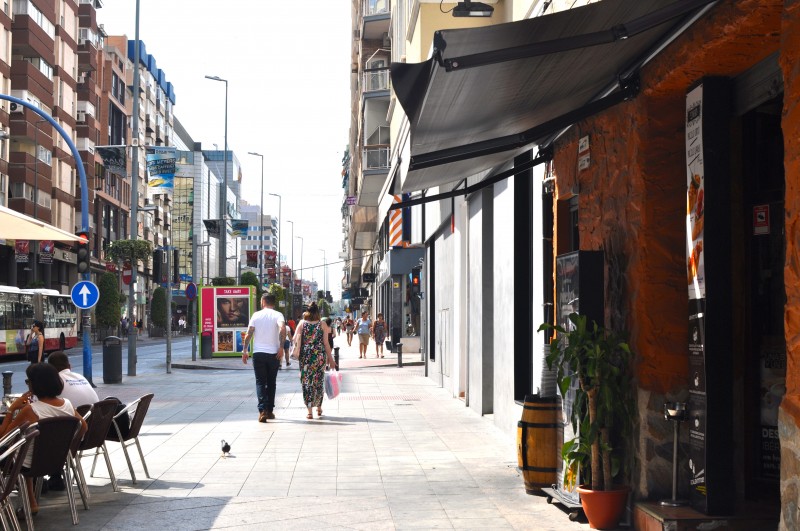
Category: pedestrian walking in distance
[379,334]
[363,328]
[267,330]
[311,337]
[349,325]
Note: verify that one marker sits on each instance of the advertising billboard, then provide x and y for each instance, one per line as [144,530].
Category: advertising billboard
[225,313]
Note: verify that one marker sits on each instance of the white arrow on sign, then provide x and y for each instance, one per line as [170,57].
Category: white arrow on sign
[85,291]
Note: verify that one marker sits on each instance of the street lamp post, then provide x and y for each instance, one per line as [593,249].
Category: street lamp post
[223,237]
[325,271]
[301,264]
[170,278]
[261,223]
[280,233]
[291,277]
[134,234]
[35,243]
[195,245]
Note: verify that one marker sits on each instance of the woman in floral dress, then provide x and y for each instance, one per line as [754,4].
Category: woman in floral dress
[379,334]
[315,352]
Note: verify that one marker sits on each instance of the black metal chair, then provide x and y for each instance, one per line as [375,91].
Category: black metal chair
[128,434]
[99,419]
[51,455]
[13,448]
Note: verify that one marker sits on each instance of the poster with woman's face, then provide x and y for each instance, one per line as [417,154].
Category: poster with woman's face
[233,312]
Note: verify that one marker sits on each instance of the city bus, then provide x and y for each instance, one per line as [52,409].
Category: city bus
[20,307]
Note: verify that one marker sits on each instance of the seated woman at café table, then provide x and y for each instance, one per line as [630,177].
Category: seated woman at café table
[45,385]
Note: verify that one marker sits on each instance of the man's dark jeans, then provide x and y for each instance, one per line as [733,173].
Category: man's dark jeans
[266,369]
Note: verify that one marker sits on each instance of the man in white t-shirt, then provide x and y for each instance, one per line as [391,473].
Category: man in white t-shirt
[77,389]
[267,330]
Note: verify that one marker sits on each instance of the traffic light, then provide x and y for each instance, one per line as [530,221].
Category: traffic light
[83,253]
[158,263]
[176,277]
[415,280]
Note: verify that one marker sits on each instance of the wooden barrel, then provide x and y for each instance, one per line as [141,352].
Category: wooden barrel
[540,434]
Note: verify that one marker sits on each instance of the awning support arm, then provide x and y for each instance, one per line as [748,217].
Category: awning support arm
[629,89]
[544,155]
[616,33]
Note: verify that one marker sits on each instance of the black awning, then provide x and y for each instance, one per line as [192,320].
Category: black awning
[490,92]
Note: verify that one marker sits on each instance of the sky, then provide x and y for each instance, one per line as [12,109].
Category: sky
[288,71]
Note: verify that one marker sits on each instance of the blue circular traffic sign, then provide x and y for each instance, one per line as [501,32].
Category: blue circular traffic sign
[85,294]
[191,291]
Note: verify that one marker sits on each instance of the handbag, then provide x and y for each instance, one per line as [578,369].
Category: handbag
[294,349]
[333,380]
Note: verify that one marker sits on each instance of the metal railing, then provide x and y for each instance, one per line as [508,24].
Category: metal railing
[375,79]
[375,158]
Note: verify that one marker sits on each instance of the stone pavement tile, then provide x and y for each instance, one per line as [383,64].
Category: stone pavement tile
[208,489]
[360,484]
[481,523]
[311,490]
[406,513]
[420,522]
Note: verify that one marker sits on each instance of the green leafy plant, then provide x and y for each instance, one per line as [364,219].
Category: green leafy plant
[158,307]
[130,251]
[223,281]
[250,279]
[603,410]
[35,284]
[324,307]
[108,307]
[281,294]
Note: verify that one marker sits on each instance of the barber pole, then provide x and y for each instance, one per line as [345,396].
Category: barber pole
[396,226]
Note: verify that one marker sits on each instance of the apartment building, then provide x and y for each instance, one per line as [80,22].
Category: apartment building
[259,223]
[42,70]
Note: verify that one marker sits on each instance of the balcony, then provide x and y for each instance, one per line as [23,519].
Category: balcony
[376,7]
[374,171]
[375,79]
[376,19]
[375,158]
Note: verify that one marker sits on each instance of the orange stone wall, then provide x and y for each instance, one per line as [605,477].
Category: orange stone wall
[789,418]
[632,202]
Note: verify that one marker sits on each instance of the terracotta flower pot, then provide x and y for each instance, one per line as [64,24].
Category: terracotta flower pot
[603,508]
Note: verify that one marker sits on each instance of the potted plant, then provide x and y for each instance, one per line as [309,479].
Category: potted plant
[595,362]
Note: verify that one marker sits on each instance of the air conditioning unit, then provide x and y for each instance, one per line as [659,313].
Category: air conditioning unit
[15,108]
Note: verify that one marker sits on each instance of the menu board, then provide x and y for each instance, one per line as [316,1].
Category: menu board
[579,289]
[708,276]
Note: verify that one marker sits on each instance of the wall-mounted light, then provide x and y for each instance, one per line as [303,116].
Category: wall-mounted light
[468,8]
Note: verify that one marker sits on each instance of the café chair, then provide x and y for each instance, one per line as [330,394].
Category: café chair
[51,455]
[99,419]
[13,448]
[128,433]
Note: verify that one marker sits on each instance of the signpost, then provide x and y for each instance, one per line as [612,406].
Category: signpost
[191,291]
[127,273]
[85,294]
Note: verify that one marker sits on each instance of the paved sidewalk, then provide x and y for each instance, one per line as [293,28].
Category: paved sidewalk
[393,451]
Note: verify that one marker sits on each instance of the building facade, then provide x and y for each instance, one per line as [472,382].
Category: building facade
[509,163]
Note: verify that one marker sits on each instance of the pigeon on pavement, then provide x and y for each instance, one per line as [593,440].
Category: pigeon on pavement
[226,448]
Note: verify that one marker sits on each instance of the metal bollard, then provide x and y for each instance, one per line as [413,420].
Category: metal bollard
[336,357]
[7,382]
[399,354]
